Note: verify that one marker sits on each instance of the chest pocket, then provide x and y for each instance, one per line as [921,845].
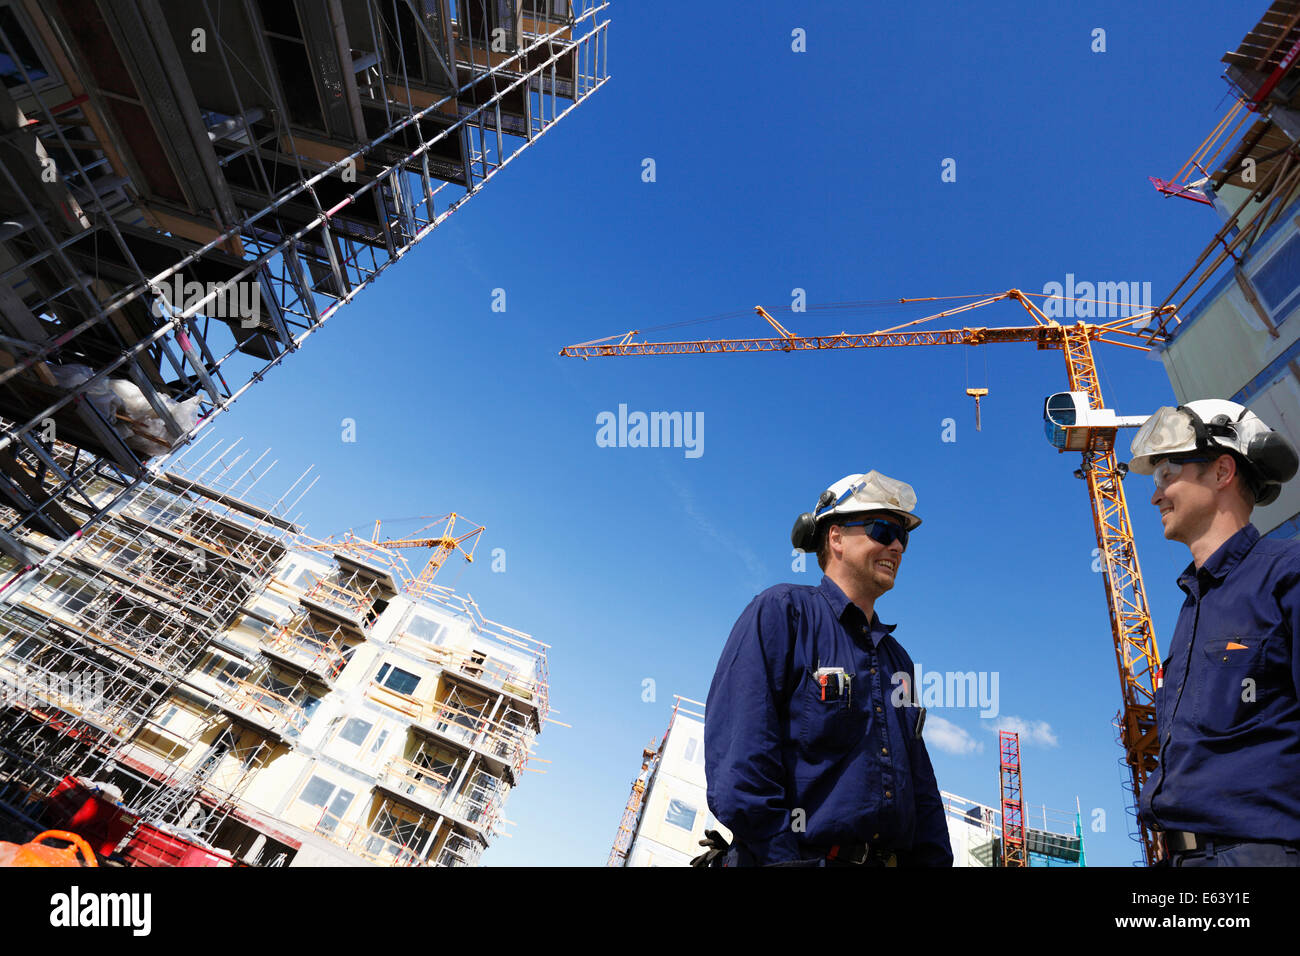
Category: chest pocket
[1232,683]
[829,726]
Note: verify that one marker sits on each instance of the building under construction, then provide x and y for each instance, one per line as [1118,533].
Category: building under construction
[667,810]
[1240,339]
[190,188]
[192,681]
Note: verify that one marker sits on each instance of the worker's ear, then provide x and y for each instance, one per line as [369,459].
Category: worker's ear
[1225,466]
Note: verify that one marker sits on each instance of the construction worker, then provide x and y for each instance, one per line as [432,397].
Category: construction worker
[812,757]
[1227,788]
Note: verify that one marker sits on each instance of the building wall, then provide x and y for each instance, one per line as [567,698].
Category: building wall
[675,810]
[966,836]
[1224,349]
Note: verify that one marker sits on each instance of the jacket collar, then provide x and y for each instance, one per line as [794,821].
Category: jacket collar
[1220,564]
[849,614]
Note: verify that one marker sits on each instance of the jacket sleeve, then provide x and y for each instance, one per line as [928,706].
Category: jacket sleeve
[743,731]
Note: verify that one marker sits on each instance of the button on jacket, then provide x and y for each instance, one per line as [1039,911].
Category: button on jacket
[1228,709]
[854,766]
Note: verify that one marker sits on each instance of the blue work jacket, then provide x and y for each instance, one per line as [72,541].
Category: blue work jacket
[1228,704]
[855,767]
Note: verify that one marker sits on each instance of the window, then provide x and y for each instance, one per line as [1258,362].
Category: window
[224,670]
[691,746]
[1278,280]
[317,792]
[394,678]
[426,629]
[355,731]
[338,806]
[299,718]
[253,624]
[680,814]
[305,580]
[379,742]
[330,798]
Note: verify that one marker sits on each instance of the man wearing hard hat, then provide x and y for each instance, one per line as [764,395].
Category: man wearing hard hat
[1227,788]
[811,759]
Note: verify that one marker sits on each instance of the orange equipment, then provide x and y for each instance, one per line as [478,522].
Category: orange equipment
[1013,804]
[37,853]
[443,542]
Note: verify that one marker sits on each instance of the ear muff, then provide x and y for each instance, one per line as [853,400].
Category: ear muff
[1267,494]
[804,533]
[1274,457]
[1269,459]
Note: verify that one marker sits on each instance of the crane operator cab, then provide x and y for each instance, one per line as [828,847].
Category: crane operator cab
[1071,425]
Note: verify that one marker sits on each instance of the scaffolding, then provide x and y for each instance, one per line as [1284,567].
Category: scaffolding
[189,189]
[103,632]
[171,655]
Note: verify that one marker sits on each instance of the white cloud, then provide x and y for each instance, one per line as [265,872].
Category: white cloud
[946,736]
[1031,731]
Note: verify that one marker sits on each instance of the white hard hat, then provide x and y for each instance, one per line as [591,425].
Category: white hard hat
[854,494]
[1215,426]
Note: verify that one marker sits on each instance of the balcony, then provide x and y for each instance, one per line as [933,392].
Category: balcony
[347,605]
[371,846]
[415,783]
[478,807]
[496,675]
[503,745]
[254,705]
[298,647]
[460,851]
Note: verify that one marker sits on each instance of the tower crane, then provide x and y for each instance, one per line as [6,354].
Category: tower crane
[444,542]
[1076,420]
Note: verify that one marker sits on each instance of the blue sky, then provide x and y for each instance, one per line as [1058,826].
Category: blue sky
[778,170]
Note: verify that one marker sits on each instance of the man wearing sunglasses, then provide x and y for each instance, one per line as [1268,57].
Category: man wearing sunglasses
[1226,791]
[810,759]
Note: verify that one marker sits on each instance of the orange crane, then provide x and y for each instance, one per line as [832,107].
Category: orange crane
[444,542]
[1076,420]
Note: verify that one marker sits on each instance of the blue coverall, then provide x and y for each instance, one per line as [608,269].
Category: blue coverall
[793,775]
[1228,704]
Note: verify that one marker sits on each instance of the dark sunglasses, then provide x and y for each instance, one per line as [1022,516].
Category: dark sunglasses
[880,530]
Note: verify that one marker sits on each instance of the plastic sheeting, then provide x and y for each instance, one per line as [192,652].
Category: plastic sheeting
[125,408]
